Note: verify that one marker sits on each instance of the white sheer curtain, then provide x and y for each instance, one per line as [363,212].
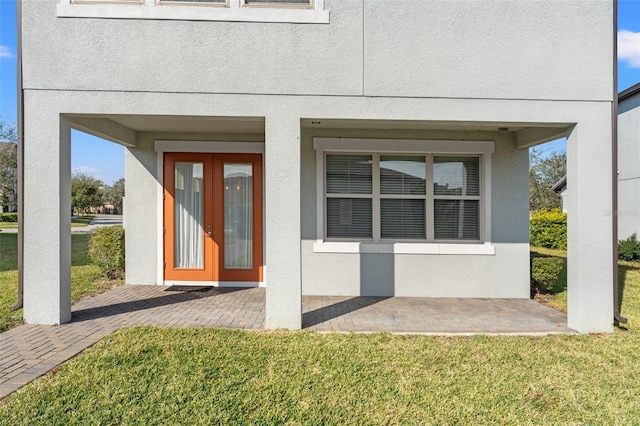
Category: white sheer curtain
[188,215]
[238,216]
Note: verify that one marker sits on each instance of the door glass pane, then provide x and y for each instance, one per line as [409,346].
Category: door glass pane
[238,216]
[188,214]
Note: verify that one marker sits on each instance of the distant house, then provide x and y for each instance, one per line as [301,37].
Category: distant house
[628,164]
[322,147]
[560,188]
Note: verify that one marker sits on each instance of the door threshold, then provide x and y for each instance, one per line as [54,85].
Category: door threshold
[243,284]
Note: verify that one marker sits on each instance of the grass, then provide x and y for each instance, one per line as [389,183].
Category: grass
[205,376]
[149,375]
[85,277]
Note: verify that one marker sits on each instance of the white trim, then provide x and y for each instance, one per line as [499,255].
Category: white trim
[209,147]
[404,146]
[233,12]
[320,246]
[243,284]
[160,216]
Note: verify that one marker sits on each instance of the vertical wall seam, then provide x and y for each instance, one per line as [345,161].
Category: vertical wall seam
[363,49]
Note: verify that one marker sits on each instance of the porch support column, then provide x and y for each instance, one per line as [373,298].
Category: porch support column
[590,233]
[282,222]
[47,216]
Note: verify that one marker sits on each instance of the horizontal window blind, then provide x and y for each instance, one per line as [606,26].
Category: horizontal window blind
[402,218]
[349,174]
[349,218]
[396,197]
[456,219]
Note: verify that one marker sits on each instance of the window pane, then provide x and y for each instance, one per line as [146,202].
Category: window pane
[456,176]
[238,216]
[402,218]
[402,175]
[457,219]
[188,214]
[349,218]
[349,174]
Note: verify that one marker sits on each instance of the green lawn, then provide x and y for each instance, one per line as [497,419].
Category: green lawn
[206,376]
[85,277]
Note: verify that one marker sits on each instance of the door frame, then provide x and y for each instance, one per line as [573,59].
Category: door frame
[204,147]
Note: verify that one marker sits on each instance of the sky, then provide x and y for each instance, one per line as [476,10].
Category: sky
[105,160]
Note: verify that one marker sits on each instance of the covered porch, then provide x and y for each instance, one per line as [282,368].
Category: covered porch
[298,266]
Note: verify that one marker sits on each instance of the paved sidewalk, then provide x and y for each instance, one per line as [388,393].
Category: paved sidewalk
[98,221]
[29,351]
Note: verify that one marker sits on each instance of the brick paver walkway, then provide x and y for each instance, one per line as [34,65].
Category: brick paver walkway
[29,351]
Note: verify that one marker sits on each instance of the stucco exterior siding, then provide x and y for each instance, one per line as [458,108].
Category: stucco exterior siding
[409,48]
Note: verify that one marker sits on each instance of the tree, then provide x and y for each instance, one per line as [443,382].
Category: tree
[8,165]
[114,194]
[544,171]
[85,192]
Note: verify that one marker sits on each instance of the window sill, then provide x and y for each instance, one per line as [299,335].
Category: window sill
[192,13]
[403,248]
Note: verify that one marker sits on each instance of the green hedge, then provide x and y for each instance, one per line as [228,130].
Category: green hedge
[106,249]
[629,248]
[8,217]
[548,228]
[547,274]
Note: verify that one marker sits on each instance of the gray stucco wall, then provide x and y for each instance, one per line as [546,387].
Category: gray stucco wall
[505,274]
[462,49]
[629,166]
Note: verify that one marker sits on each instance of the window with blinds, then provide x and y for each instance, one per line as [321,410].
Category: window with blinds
[349,190]
[456,206]
[402,197]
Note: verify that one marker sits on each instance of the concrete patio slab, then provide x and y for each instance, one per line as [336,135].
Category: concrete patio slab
[29,351]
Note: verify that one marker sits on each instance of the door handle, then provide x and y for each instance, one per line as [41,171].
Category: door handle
[210,234]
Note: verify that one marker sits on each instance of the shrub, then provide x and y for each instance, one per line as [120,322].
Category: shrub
[629,248]
[548,228]
[546,273]
[106,249]
[8,217]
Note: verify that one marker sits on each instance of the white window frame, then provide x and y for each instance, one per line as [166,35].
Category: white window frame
[429,148]
[230,11]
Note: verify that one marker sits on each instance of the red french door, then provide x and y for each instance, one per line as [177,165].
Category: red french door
[213,217]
